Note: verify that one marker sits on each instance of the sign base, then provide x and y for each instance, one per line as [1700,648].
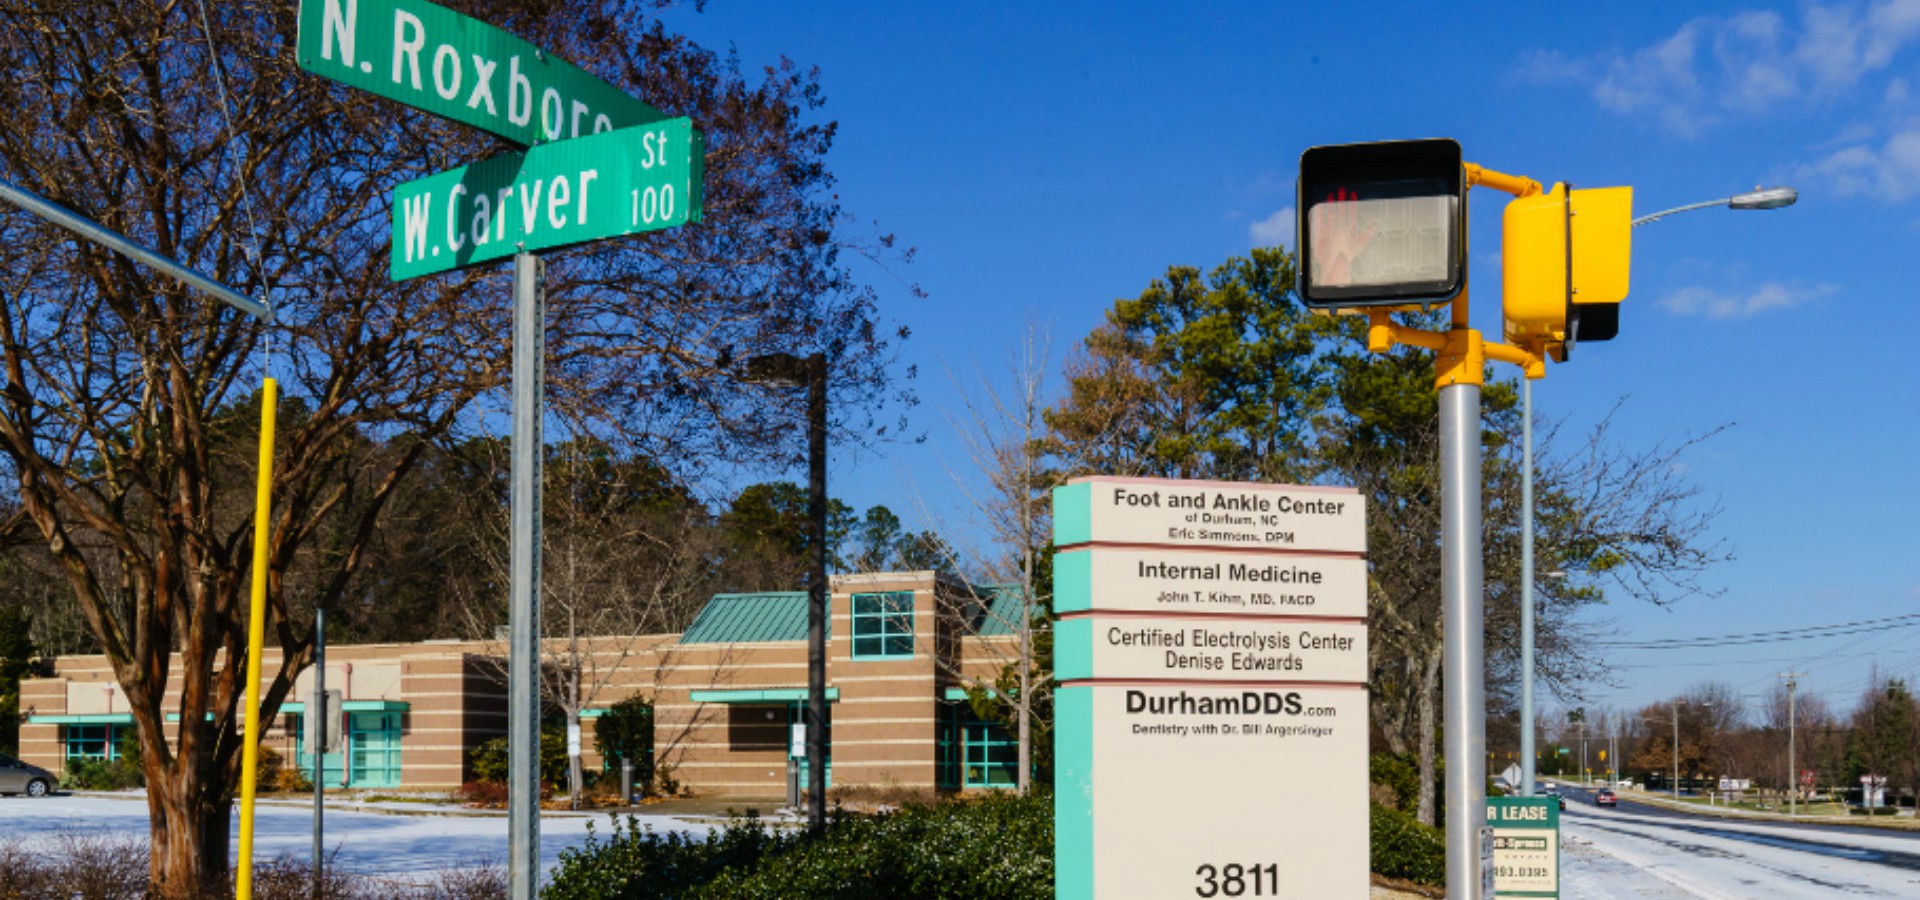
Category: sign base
[1211,790]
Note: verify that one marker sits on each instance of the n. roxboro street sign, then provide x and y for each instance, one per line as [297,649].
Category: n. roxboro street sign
[604,185]
[434,59]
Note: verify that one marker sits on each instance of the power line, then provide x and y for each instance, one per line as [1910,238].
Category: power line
[1839,629]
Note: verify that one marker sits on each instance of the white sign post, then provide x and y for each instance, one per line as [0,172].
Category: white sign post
[1211,722]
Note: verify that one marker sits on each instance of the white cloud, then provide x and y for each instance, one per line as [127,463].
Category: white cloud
[1889,172]
[1747,63]
[1713,303]
[1273,231]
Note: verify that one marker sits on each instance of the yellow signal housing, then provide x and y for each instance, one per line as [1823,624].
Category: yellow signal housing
[1565,259]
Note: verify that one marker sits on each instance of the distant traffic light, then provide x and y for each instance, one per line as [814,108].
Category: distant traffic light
[1382,224]
[1565,256]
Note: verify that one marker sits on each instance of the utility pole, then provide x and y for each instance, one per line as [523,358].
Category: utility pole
[1675,708]
[1793,770]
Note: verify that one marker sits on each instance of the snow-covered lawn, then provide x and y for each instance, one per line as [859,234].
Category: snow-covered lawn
[403,839]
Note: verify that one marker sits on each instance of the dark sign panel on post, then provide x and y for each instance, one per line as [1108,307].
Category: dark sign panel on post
[434,59]
[553,195]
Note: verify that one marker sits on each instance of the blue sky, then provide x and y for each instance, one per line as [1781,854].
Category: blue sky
[1047,159]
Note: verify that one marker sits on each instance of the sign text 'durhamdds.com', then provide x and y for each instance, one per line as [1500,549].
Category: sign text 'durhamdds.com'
[554,195]
[434,59]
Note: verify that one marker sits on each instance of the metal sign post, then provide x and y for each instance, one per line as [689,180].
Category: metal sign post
[523,641]
[601,164]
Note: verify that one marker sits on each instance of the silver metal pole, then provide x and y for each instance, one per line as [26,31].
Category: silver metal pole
[1526,588]
[523,640]
[113,240]
[317,734]
[1462,598]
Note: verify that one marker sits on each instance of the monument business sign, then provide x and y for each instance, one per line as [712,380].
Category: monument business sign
[434,59]
[1211,723]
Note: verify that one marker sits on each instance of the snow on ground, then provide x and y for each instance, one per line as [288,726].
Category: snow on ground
[399,839]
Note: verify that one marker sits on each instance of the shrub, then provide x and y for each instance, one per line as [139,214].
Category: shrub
[1404,848]
[274,775]
[626,732]
[640,864]
[483,793]
[490,758]
[998,846]
[995,846]
[103,775]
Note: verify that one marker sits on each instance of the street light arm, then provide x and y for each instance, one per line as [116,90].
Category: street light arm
[1758,198]
[1654,217]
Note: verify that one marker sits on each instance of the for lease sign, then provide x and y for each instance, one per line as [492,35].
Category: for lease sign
[434,59]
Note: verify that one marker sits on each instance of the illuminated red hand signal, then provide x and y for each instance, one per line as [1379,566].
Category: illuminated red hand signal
[1338,237]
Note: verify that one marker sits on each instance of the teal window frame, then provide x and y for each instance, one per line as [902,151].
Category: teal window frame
[79,741]
[972,753]
[881,625]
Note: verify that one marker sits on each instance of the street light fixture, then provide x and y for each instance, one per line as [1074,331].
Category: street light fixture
[1758,198]
[789,371]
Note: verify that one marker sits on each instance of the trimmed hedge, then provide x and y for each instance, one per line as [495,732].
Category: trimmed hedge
[1404,848]
[992,847]
[998,846]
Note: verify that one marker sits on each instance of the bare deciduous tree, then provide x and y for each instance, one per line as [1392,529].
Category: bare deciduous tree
[127,404]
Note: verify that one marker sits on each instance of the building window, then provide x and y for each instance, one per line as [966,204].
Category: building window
[373,750]
[883,625]
[973,753]
[94,741]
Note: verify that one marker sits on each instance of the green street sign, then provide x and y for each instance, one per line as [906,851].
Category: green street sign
[434,59]
[600,186]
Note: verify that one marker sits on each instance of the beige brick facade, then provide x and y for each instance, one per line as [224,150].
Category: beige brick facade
[450,697]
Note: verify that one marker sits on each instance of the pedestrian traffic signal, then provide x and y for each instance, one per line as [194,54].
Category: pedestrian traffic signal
[1565,256]
[1382,224]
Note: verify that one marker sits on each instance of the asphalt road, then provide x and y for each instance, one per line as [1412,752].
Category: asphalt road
[1638,851]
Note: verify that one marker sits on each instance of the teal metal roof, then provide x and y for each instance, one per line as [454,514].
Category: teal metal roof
[750,619]
[997,611]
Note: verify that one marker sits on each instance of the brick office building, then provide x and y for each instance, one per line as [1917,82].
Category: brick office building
[902,648]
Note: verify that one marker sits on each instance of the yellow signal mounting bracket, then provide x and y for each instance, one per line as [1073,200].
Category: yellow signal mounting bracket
[1463,352]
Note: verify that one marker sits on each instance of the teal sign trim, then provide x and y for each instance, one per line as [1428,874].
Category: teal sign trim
[554,195]
[439,61]
[1073,793]
[1072,649]
[1072,514]
[1073,581]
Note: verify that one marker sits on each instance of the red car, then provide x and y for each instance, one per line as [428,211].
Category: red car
[1604,797]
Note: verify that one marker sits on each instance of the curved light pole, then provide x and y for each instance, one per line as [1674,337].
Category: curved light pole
[1758,198]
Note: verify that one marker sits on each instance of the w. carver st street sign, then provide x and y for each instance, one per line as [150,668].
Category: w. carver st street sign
[434,59]
[553,195]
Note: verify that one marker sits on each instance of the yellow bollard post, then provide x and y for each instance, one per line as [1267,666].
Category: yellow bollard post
[256,636]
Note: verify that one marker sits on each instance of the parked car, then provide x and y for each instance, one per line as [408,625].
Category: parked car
[17,777]
[1604,797]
